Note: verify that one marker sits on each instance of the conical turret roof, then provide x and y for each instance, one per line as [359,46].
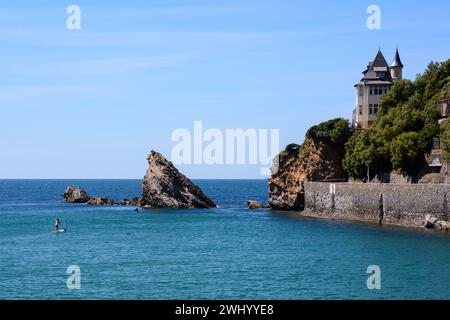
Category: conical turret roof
[397,61]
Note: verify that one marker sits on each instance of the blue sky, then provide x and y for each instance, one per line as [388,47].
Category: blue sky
[92,103]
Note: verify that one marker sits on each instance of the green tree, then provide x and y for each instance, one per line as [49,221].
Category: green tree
[399,94]
[406,157]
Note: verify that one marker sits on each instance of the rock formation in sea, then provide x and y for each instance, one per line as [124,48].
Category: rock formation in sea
[318,159]
[102,201]
[164,186]
[75,195]
[79,195]
[253,204]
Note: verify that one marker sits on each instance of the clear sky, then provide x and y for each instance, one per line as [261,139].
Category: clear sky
[92,103]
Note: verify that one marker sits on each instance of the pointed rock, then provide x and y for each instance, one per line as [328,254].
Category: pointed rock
[165,187]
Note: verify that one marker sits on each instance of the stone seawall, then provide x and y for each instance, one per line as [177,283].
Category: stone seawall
[394,204]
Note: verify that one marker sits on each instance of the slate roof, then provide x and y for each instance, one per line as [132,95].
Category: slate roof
[397,61]
[378,64]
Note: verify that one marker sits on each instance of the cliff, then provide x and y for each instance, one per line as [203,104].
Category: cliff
[165,187]
[318,159]
[315,160]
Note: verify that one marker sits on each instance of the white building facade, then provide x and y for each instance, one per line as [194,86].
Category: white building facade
[376,82]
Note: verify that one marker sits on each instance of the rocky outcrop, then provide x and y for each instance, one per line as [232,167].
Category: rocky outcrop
[102,201]
[432,222]
[165,187]
[315,160]
[252,204]
[136,201]
[79,195]
[75,195]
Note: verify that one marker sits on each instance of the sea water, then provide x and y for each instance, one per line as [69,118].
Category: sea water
[225,253]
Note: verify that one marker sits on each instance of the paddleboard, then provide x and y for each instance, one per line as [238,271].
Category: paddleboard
[60,231]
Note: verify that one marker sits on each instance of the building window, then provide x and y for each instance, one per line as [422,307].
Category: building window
[373,108]
[380,74]
[361,91]
[378,90]
[360,110]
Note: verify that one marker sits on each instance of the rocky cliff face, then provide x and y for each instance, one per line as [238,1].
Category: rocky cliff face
[165,187]
[316,160]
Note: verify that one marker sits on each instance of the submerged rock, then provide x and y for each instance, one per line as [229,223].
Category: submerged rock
[77,195]
[164,186]
[252,204]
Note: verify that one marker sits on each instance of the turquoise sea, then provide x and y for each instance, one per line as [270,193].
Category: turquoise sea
[224,253]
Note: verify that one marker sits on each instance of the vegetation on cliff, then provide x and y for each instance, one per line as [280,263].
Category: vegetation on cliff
[405,127]
[335,131]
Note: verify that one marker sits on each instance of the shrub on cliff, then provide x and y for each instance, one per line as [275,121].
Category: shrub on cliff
[404,129]
[336,131]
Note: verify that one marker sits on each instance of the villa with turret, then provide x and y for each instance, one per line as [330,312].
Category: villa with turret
[377,80]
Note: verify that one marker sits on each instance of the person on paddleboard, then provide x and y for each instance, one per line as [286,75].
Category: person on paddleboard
[57,224]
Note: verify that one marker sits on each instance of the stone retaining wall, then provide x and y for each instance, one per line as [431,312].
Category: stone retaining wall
[395,204]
